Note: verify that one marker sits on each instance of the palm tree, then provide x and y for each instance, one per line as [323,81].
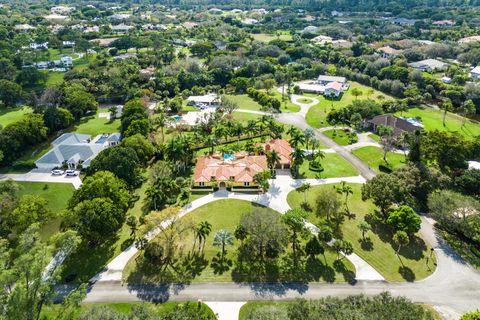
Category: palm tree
[132,222]
[364,227]
[272,159]
[346,190]
[297,139]
[446,106]
[161,121]
[154,194]
[237,130]
[304,188]
[223,238]
[309,134]
[297,158]
[204,229]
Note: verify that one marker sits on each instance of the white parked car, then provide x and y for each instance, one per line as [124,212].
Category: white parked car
[57,172]
[71,172]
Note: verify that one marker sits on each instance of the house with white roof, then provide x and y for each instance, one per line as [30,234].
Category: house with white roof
[475,73]
[209,99]
[310,29]
[121,28]
[428,65]
[76,150]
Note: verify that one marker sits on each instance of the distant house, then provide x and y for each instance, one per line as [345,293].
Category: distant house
[404,21]
[475,73]
[443,23]
[56,17]
[310,29]
[399,125]
[75,150]
[428,65]
[446,79]
[249,21]
[120,16]
[468,39]
[121,28]
[67,61]
[37,46]
[389,52]
[324,80]
[209,99]
[61,9]
[322,40]
[24,27]
[68,44]
[189,24]
[125,56]
[336,13]
[333,89]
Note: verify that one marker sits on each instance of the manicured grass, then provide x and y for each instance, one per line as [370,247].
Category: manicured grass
[54,78]
[245,102]
[305,100]
[380,250]
[333,165]
[95,258]
[286,104]
[94,125]
[373,157]
[374,137]
[339,136]
[222,214]
[51,311]
[317,115]
[263,37]
[432,119]
[244,117]
[10,115]
[57,195]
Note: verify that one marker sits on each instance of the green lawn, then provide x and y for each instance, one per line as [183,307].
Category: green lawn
[340,136]
[57,195]
[225,214]
[316,115]
[10,115]
[380,250]
[95,258]
[373,157]
[54,78]
[433,120]
[244,102]
[94,125]
[244,117]
[264,37]
[51,311]
[333,165]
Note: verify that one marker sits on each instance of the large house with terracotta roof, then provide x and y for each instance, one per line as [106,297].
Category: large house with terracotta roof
[237,171]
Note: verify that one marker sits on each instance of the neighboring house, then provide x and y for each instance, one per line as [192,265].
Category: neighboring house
[36,46]
[125,56]
[310,29]
[209,99]
[283,149]
[324,80]
[389,52]
[61,9]
[229,170]
[249,21]
[398,124]
[91,29]
[67,61]
[24,27]
[322,40]
[56,17]
[121,28]
[475,73]
[428,65]
[333,89]
[446,79]
[68,44]
[120,16]
[443,23]
[189,24]
[76,150]
[468,39]
[336,13]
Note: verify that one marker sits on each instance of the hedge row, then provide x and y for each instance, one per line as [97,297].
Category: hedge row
[264,99]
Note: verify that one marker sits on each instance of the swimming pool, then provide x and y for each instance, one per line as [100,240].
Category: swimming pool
[228,156]
[177,118]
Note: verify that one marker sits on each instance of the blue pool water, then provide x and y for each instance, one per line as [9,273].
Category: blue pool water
[228,156]
[177,118]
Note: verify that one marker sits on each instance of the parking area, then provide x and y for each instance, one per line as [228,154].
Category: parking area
[43,176]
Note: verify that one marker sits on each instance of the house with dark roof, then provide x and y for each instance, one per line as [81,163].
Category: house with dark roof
[399,125]
[75,150]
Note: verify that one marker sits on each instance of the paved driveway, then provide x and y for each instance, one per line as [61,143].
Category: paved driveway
[38,176]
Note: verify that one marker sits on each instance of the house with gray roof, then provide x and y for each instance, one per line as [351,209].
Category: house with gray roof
[428,65]
[74,150]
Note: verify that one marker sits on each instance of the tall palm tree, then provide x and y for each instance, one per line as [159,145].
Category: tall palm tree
[309,134]
[161,121]
[155,195]
[344,189]
[204,229]
[297,139]
[222,239]
[297,158]
[272,159]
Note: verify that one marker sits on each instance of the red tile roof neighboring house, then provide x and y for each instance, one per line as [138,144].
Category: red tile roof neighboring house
[282,147]
[334,85]
[242,168]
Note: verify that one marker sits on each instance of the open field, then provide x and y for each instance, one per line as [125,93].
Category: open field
[333,165]
[226,214]
[10,115]
[244,117]
[94,125]
[378,249]
[373,157]
[432,119]
[317,115]
[263,37]
[244,102]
